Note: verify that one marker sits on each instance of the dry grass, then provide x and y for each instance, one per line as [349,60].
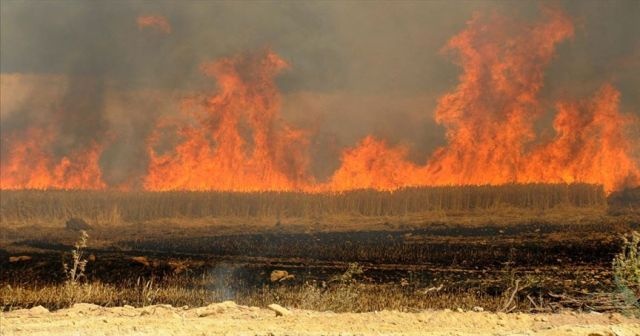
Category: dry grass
[109,208]
[464,205]
[351,297]
[626,271]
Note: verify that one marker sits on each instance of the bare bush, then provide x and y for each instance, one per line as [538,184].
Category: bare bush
[78,264]
[626,270]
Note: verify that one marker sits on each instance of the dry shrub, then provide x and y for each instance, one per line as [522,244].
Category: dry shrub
[626,270]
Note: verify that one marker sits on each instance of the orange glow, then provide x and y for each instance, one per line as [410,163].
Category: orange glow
[590,145]
[157,22]
[490,116]
[30,165]
[237,141]
[373,164]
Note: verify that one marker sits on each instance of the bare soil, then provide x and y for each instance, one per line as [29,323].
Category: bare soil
[229,318]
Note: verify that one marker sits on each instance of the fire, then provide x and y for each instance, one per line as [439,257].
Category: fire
[373,164]
[590,145]
[30,164]
[156,22]
[490,118]
[237,141]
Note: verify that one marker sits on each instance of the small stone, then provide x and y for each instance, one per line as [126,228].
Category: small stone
[460,310]
[142,260]
[478,309]
[19,259]
[280,311]
[38,310]
[204,312]
[280,275]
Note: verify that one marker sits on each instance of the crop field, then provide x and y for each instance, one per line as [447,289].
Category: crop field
[109,208]
[504,248]
[319,168]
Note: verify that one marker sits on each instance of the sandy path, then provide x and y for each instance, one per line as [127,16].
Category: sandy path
[228,318]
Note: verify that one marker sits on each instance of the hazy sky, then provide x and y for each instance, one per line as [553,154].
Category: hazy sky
[356,67]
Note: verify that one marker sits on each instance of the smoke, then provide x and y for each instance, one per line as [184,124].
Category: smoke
[88,72]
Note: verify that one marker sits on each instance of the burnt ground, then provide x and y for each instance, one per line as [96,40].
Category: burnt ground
[569,259]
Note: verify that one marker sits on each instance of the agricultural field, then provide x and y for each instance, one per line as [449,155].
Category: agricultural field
[319,168]
[512,248]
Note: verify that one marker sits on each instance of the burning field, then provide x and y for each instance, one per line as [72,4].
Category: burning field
[236,139]
[478,161]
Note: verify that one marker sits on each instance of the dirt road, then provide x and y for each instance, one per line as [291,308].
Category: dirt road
[227,318]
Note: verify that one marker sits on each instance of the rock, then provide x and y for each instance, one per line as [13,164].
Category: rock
[280,311]
[19,259]
[459,310]
[141,260]
[77,224]
[38,310]
[280,275]
[215,308]
[478,309]
[227,304]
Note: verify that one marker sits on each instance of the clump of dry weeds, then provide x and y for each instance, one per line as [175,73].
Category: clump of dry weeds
[626,271]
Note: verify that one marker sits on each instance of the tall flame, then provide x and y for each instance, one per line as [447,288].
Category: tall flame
[237,142]
[490,116]
[590,145]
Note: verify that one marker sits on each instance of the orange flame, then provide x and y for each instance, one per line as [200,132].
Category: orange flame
[590,145]
[237,142]
[490,117]
[373,164]
[30,165]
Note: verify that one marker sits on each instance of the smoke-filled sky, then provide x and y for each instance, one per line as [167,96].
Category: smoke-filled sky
[356,68]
